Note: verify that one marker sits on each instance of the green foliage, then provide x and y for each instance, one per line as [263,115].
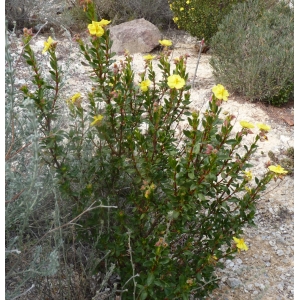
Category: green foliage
[163,206]
[200,17]
[254,51]
[284,95]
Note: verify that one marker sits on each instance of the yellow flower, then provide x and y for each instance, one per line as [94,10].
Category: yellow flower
[149,57]
[248,189]
[144,85]
[96,29]
[248,175]
[188,2]
[278,169]
[240,244]
[165,43]
[147,194]
[220,92]
[97,120]
[212,259]
[264,127]
[75,97]
[170,6]
[75,100]
[175,81]
[47,44]
[175,19]
[104,22]
[181,8]
[149,189]
[245,124]
[152,186]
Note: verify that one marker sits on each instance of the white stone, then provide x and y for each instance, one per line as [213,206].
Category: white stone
[284,139]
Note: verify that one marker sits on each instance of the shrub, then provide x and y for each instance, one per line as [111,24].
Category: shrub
[200,17]
[18,11]
[254,52]
[27,191]
[163,209]
[40,252]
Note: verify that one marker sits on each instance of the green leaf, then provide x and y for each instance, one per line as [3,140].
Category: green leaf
[147,263]
[185,297]
[199,276]
[187,133]
[164,260]
[159,283]
[144,295]
[150,279]
[196,149]
[231,142]
[191,175]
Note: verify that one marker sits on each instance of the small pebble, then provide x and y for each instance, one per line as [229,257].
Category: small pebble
[279,252]
[233,282]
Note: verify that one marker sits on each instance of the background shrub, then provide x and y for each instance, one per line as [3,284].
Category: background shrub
[200,17]
[20,12]
[156,12]
[254,51]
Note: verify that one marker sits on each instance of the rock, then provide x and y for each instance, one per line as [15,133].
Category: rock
[281,240]
[280,252]
[20,82]
[233,282]
[272,243]
[289,288]
[266,258]
[260,286]
[135,36]
[280,286]
[229,263]
[284,139]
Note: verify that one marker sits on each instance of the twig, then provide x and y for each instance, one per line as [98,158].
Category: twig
[90,208]
[133,267]
[15,197]
[13,251]
[24,292]
[201,45]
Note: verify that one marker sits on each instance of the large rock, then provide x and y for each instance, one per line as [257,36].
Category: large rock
[136,36]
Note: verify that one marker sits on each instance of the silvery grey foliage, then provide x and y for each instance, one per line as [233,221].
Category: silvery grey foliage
[28,191]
